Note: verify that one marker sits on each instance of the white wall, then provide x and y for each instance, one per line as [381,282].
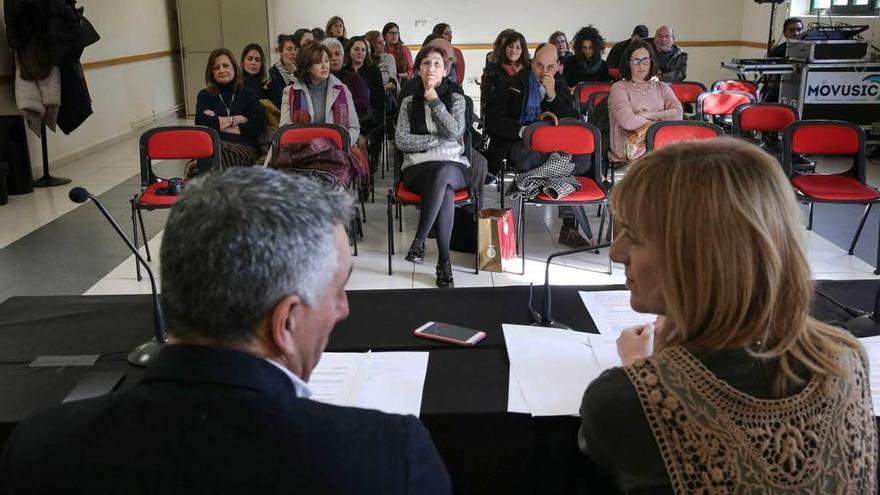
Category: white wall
[124,97]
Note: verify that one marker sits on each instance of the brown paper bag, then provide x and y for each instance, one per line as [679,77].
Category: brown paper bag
[497,239]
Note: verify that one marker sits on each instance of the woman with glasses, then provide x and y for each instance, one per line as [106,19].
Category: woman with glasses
[638,100]
[395,47]
[385,61]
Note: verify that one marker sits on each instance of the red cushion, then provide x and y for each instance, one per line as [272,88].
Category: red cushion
[834,188]
[305,134]
[723,103]
[744,86]
[180,144]
[614,72]
[410,197]
[587,89]
[590,191]
[674,133]
[825,139]
[150,199]
[760,118]
[573,139]
[687,92]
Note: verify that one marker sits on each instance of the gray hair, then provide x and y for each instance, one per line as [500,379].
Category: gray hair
[238,242]
[333,43]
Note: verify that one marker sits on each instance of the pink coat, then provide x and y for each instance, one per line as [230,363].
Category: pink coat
[625,105]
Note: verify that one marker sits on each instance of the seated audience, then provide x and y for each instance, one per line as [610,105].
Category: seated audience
[742,391]
[336,29]
[253,71]
[672,62]
[317,96]
[233,110]
[225,409]
[358,87]
[395,47]
[385,62]
[457,72]
[430,130]
[560,41]
[519,101]
[587,65]
[281,74]
[636,101]
[615,54]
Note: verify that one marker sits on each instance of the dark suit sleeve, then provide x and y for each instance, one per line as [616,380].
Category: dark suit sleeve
[203,102]
[562,104]
[502,111]
[426,473]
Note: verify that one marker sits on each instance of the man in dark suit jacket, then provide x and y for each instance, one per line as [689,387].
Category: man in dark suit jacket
[254,266]
[517,104]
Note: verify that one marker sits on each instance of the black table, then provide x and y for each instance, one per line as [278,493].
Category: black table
[486,449]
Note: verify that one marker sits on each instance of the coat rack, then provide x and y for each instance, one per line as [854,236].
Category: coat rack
[47,180]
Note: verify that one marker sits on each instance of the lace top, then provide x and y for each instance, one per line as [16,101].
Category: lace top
[716,439]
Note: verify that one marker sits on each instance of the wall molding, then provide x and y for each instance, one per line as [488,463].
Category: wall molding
[681,43]
[112,62]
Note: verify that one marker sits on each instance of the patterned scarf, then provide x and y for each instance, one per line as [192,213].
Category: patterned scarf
[286,72]
[299,108]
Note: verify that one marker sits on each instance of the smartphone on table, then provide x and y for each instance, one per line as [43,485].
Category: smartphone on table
[451,334]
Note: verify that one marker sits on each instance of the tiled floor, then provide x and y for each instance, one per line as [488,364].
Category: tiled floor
[49,245]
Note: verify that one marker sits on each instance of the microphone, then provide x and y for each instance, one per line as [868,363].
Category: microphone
[144,354]
[866,325]
[545,318]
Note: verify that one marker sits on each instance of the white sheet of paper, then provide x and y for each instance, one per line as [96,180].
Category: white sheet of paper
[605,350]
[516,402]
[395,382]
[872,349]
[611,311]
[553,367]
[339,377]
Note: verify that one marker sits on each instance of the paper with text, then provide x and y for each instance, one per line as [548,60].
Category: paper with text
[611,311]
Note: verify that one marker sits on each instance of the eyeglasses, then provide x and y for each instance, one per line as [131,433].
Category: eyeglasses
[640,61]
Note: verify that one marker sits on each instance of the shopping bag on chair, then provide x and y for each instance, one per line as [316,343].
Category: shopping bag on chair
[497,238]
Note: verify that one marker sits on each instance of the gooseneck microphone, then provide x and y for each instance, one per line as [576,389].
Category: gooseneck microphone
[545,318]
[144,354]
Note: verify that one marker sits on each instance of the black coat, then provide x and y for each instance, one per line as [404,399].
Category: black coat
[209,420]
[578,71]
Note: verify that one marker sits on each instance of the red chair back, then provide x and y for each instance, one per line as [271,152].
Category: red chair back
[721,103]
[177,143]
[614,72]
[825,137]
[595,99]
[736,85]
[570,136]
[687,91]
[302,133]
[583,91]
[665,133]
[763,117]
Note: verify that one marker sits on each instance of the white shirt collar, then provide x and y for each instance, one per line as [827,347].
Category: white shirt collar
[300,387]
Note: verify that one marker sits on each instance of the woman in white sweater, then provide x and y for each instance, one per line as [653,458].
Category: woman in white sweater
[430,130]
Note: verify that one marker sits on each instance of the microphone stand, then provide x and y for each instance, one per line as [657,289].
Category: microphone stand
[545,318]
[144,354]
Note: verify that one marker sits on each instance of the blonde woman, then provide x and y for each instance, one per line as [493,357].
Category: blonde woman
[743,392]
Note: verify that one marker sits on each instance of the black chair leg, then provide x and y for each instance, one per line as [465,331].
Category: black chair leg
[522,234]
[390,234]
[581,214]
[810,220]
[134,228]
[855,238]
[144,234]
[399,217]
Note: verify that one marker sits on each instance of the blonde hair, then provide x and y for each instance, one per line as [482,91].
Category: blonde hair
[733,272]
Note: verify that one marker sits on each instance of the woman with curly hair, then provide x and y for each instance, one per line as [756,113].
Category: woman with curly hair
[586,65]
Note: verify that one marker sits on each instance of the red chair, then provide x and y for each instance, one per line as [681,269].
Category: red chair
[595,99]
[717,106]
[831,137]
[576,138]
[168,143]
[763,117]
[614,72]
[303,133]
[400,196]
[736,85]
[687,92]
[661,134]
[582,94]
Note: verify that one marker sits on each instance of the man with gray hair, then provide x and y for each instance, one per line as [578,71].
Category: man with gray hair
[671,61]
[254,266]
